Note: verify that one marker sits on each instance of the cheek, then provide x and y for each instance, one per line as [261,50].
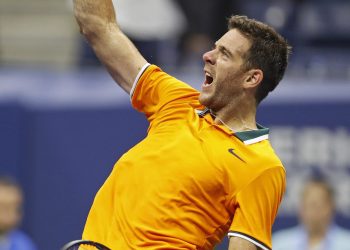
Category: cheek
[231,84]
[231,72]
[10,212]
[316,211]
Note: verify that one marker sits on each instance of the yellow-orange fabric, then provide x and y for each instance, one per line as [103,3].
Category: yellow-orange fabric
[189,181]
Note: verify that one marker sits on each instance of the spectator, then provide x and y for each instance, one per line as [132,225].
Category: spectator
[11,199]
[317,230]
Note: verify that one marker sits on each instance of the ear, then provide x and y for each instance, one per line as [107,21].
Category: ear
[253,78]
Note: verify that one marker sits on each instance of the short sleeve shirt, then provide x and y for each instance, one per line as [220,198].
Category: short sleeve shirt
[190,181]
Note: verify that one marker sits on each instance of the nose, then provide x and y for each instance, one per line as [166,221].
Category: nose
[209,57]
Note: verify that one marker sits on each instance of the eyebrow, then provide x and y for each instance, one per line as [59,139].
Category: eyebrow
[224,49]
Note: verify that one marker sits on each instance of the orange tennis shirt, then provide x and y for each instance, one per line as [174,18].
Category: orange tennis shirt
[190,181]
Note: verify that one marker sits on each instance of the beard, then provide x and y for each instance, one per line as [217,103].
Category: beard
[223,93]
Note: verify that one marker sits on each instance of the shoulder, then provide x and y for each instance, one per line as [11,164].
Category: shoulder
[286,233]
[261,152]
[269,163]
[154,89]
[341,231]
[340,235]
[153,76]
[267,154]
[22,240]
[286,238]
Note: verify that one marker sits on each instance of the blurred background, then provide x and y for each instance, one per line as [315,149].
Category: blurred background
[64,122]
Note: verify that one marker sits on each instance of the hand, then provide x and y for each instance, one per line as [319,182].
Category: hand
[94,15]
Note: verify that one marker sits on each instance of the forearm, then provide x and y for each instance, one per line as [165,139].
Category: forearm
[122,60]
[97,22]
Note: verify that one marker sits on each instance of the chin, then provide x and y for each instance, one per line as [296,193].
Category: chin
[204,99]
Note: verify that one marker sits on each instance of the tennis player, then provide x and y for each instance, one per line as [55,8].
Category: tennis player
[206,168]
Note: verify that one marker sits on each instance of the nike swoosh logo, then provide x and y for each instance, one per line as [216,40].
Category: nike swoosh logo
[231,150]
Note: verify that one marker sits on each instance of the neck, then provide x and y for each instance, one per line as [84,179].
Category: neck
[239,117]
[316,236]
[3,237]
[315,239]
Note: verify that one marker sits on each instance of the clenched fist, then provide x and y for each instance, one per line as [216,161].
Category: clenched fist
[94,15]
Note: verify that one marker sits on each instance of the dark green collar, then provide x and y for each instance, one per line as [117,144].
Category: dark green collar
[247,137]
[253,136]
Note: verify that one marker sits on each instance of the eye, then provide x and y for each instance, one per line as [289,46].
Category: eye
[224,53]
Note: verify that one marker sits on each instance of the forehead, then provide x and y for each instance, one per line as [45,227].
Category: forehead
[9,194]
[235,42]
[316,191]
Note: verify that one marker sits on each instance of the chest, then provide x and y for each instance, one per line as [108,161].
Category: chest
[198,157]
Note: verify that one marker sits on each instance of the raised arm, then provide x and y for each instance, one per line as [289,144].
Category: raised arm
[97,21]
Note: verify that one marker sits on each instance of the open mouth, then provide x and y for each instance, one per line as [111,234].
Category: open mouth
[208,79]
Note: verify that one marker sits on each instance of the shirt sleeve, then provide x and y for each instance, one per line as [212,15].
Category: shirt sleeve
[156,92]
[256,208]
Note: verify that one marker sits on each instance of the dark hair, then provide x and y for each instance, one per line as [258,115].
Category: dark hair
[8,181]
[322,182]
[269,52]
